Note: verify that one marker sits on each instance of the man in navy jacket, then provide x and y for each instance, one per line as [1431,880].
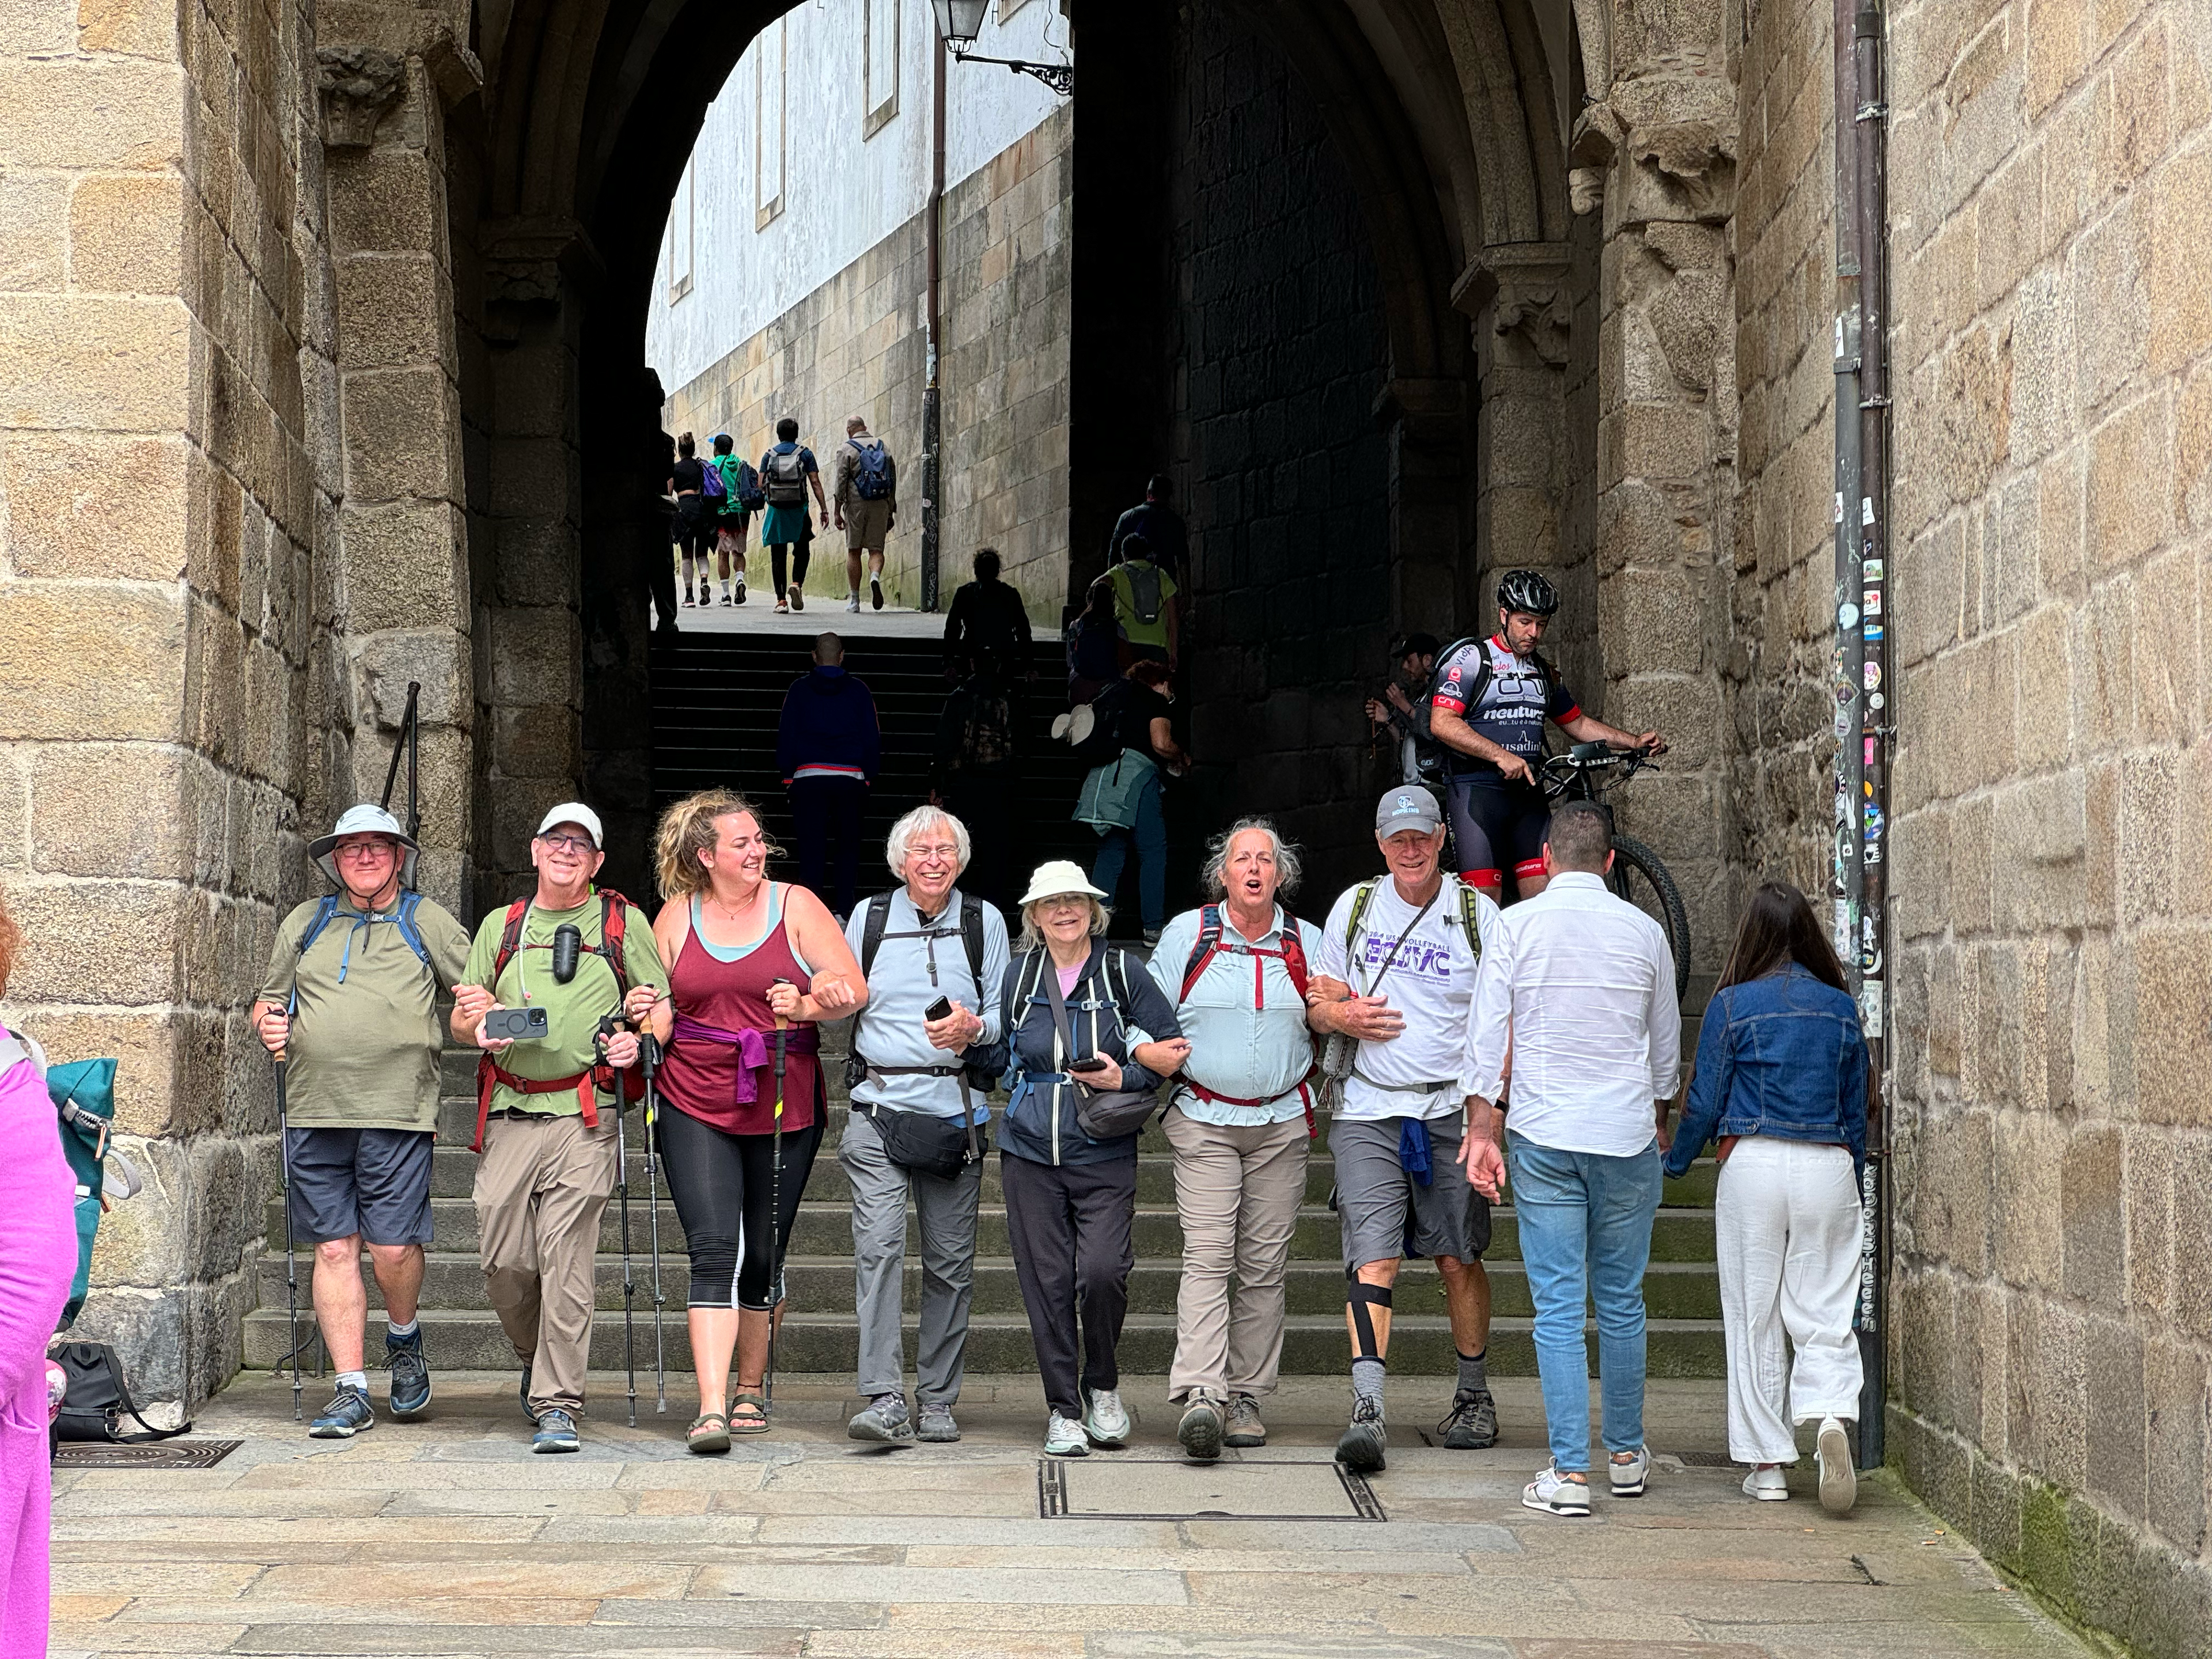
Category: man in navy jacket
[828,746]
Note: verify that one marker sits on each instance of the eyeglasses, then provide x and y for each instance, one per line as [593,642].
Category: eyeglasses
[579,845]
[363,852]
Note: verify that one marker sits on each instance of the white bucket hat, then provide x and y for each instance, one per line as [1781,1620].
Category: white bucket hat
[364,820]
[1057,877]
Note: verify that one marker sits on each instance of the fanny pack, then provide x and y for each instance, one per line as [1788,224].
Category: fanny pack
[1102,1113]
[923,1144]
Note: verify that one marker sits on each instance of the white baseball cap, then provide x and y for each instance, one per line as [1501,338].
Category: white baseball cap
[574,811]
[1055,877]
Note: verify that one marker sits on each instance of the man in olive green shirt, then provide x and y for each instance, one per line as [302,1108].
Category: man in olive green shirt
[546,1106]
[350,1001]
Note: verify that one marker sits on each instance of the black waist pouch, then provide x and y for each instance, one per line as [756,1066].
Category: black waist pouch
[925,1144]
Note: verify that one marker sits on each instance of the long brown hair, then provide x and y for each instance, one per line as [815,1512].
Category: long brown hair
[1778,926]
[11,941]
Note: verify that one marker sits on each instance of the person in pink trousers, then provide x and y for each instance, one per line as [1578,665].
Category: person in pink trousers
[37,1258]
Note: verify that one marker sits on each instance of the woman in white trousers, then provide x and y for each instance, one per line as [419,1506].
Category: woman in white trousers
[1781,1085]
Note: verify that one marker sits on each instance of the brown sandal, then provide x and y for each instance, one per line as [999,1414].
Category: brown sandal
[709,1432]
[752,1422]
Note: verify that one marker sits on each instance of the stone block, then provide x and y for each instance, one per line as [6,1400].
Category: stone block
[126,234]
[1653,440]
[2141,128]
[401,435]
[2125,520]
[114,113]
[2180,220]
[384,200]
[94,364]
[143,28]
[394,310]
[33,229]
[106,809]
[2178,1428]
[406,566]
[2056,50]
[79,670]
[111,942]
[2173,995]
[2117,1471]
[2095,1266]
[2044,367]
[2009,227]
[67,495]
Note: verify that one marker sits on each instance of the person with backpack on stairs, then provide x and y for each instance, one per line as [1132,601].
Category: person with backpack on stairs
[698,518]
[1124,797]
[1240,1124]
[1394,981]
[545,1105]
[988,623]
[787,472]
[867,503]
[1145,606]
[350,999]
[829,745]
[926,1051]
[974,772]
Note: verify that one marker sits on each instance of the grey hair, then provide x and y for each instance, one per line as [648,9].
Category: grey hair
[900,842]
[1033,936]
[1213,876]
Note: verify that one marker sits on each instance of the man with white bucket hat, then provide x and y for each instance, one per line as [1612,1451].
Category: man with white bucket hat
[350,1001]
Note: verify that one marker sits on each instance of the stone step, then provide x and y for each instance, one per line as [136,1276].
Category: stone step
[1313,1345]
[454,1281]
[825,1230]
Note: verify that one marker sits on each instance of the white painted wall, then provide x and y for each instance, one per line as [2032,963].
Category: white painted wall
[759,238]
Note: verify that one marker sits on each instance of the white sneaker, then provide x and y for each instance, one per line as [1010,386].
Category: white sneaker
[853,602]
[1555,1494]
[1106,1420]
[1768,1485]
[1064,1437]
[1839,1481]
[1628,1478]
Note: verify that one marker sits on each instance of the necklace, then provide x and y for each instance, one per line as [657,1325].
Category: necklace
[734,913]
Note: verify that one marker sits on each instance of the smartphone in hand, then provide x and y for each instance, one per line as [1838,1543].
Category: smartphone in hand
[1095,1064]
[941,1009]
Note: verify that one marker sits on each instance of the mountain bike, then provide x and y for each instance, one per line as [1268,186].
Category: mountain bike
[1638,873]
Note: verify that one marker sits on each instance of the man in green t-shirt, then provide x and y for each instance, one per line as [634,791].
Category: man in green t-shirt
[545,1107]
[350,1001]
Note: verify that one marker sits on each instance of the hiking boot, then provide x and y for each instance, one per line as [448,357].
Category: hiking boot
[1064,1437]
[1770,1485]
[1200,1432]
[1245,1428]
[411,1373]
[1472,1423]
[937,1425]
[1554,1493]
[1105,1418]
[1628,1479]
[884,1421]
[346,1416]
[556,1432]
[875,592]
[1839,1480]
[528,1410]
[1360,1448]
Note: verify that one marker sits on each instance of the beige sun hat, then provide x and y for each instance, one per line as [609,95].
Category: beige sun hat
[1055,878]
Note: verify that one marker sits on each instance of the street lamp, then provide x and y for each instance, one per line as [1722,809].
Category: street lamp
[961,21]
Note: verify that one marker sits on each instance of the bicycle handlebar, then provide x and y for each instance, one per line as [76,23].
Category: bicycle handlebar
[1561,770]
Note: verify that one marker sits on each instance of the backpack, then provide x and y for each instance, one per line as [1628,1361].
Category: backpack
[712,484]
[1145,596]
[1204,949]
[1104,742]
[83,1094]
[404,916]
[1470,917]
[987,738]
[746,488]
[875,917]
[872,473]
[786,475]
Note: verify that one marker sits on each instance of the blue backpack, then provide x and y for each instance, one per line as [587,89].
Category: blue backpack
[872,473]
[83,1093]
[404,916]
[711,483]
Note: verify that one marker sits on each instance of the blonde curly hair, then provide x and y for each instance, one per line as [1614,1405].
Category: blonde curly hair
[687,829]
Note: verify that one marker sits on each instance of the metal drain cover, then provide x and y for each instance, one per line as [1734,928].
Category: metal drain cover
[188,1454]
[1170,1489]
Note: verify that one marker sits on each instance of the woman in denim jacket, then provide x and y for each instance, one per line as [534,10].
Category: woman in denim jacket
[1071,1200]
[1780,1083]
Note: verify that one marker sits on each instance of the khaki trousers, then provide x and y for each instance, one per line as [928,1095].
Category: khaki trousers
[542,1186]
[1237,1192]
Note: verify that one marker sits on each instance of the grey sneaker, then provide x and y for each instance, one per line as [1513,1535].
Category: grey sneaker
[1105,1418]
[1245,1428]
[937,1425]
[1064,1437]
[556,1432]
[1472,1423]
[1839,1481]
[1360,1446]
[1200,1432]
[884,1421]
[346,1416]
[1629,1478]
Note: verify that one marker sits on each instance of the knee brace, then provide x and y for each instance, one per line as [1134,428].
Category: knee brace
[1489,883]
[1362,1295]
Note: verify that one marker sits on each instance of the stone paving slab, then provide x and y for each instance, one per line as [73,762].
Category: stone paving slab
[448,1538]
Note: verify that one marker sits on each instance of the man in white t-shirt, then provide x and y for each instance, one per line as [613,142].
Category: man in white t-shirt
[1395,974]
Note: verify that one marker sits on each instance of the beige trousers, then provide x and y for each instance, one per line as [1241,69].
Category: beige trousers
[1237,1192]
[542,1186]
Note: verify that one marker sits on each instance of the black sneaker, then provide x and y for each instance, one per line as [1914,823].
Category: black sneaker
[1359,1449]
[876,592]
[1472,1423]
[347,1415]
[528,1410]
[411,1373]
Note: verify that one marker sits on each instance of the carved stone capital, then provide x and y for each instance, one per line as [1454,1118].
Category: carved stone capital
[1522,287]
[358,85]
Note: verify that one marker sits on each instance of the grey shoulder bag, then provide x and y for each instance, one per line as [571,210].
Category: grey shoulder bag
[1102,1113]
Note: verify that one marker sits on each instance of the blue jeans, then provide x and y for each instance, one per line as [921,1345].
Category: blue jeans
[1585,1223]
[1150,837]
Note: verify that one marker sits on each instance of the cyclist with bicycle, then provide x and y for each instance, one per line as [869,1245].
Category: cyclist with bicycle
[1488,705]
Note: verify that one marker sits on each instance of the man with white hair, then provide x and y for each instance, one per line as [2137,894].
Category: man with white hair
[350,1001]
[1240,1121]
[926,1049]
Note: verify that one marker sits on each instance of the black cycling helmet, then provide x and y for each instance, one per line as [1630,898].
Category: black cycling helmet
[1527,592]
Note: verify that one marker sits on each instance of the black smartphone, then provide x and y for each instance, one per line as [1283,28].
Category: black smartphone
[517,1024]
[1095,1063]
[941,1009]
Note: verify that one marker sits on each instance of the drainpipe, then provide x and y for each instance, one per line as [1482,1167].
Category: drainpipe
[1862,686]
[932,414]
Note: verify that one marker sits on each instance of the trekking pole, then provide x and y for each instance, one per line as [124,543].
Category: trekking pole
[291,1264]
[607,1029]
[649,1060]
[775,1208]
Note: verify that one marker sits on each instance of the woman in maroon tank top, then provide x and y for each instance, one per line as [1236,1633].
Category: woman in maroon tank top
[748,955]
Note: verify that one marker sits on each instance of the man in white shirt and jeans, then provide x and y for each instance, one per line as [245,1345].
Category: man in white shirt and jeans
[1396,972]
[1581,989]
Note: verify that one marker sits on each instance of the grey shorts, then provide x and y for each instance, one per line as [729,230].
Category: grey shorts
[375,1183]
[1375,1197]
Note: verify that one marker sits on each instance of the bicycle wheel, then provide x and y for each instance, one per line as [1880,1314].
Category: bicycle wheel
[1640,877]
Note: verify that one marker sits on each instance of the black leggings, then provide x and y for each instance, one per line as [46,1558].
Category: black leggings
[721,1183]
[798,565]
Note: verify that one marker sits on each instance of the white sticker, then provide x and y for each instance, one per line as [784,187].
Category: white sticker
[1866,509]
[1872,601]
[1870,570]
[1847,615]
[1839,507]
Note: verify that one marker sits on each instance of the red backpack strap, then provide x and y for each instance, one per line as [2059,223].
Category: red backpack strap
[1203,948]
[614,918]
[1294,957]
[510,941]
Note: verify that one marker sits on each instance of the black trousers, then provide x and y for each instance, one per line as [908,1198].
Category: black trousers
[1072,1230]
[799,562]
[821,808]
[722,1184]
[985,804]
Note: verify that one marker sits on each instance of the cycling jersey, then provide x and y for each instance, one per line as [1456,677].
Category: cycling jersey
[1503,698]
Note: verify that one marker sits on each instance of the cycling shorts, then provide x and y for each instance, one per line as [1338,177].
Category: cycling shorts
[1496,824]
